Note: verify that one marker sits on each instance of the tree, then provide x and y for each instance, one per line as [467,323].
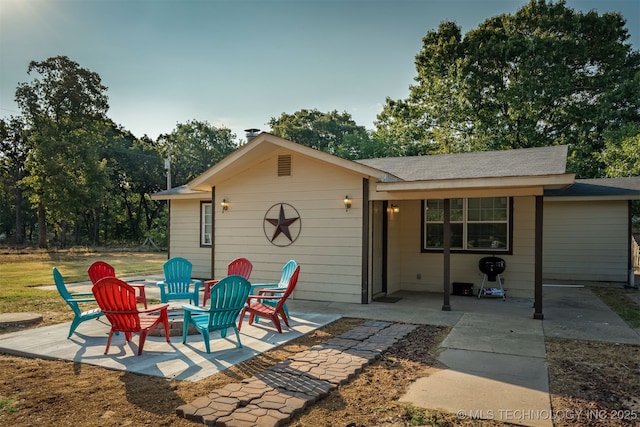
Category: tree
[322,131]
[136,169]
[13,155]
[65,113]
[543,76]
[194,147]
[622,153]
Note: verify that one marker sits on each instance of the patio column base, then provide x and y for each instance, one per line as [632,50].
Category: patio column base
[446,307]
[538,316]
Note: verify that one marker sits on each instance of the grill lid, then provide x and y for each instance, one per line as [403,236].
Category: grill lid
[492,266]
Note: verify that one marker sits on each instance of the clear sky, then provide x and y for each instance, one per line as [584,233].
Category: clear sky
[238,63]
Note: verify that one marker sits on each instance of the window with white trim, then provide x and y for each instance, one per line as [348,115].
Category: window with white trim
[206,223]
[477,224]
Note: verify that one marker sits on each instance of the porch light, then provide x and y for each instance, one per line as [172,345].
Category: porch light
[347,203]
[224,204]
[395,208]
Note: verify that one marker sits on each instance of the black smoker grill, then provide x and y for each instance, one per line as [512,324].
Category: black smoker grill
[492,267]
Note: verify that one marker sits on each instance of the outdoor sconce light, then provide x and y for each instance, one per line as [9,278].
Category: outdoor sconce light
[347,203]
[395,208]
[224,204]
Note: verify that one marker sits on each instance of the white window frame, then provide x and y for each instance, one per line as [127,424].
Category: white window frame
[460,219]
[206,223]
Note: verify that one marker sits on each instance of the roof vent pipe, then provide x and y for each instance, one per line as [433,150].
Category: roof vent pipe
[251,133]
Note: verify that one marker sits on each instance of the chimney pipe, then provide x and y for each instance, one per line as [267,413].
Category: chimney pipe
[251,133]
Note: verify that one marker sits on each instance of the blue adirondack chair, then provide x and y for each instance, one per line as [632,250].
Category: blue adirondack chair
[228,297]
[74,300]
[285,278]
[177,283]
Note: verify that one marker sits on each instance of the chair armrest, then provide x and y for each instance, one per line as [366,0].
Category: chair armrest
[271,291]
[263,285]
[194,308]
[153,308]
[161,283]
[81,299]
[258,297]
[82,294]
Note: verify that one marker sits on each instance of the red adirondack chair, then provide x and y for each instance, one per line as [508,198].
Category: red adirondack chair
[100,269]
[257,308]
[238,267]
[117,300]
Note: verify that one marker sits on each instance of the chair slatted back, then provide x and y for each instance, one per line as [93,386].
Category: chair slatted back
[240,267]
[177,274]
[117,300]
[64,292]
[287,272]
[228,297]
[99,270]
[289,290]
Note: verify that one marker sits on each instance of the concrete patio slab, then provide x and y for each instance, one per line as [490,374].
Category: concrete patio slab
[169,360]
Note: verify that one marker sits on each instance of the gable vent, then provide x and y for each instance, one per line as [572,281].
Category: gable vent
[284,165]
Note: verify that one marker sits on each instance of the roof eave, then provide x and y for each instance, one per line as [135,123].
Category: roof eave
[547,182]
[203,181]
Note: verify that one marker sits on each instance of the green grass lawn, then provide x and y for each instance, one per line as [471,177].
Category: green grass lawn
[624,306]
[21,275]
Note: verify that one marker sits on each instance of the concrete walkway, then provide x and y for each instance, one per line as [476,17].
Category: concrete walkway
[494,357]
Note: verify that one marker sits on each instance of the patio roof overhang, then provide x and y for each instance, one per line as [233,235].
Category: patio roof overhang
[471,187]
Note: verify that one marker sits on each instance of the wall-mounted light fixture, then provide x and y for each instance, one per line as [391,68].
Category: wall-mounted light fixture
[224,204]
[392,208]
[347,203]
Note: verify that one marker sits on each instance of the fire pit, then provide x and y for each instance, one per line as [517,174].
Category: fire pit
[176,316]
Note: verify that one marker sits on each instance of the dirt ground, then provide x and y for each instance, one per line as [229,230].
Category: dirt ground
[601,380]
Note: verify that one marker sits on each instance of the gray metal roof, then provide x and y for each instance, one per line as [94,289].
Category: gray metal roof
[599,187]
[483,164]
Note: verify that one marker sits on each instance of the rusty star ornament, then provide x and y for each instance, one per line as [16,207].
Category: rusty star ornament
[285,225]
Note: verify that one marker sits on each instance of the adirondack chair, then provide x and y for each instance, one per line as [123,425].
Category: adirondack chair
[100,269]
[287,271]
[117,299]
[74,300]
[229,296]
[237,267]
[177,281]
[256,307]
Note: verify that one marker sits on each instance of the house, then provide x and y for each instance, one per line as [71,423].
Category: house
[370,227]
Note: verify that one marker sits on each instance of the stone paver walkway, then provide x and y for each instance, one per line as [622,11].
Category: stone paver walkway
[274,396]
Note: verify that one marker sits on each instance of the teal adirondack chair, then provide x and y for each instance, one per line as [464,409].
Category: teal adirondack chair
[177,282]
[74,300]
[228,297]
[285,278]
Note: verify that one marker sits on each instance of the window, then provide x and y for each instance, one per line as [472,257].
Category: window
[481,224]
[206,223]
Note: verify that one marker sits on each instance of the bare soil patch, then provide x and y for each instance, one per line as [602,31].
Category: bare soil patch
[600,379]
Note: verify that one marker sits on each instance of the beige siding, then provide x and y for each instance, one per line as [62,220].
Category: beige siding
[329,247]
[185,236]
[409,269]
[586,240]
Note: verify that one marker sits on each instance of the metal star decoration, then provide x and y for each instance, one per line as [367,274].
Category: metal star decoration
[282,224]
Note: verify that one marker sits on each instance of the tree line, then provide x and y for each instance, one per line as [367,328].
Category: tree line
[545,75]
